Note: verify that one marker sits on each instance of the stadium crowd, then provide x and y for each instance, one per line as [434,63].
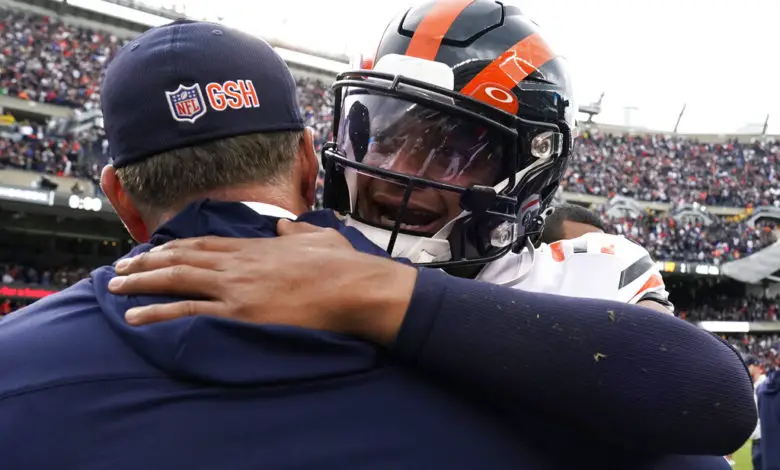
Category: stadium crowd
[27,146]
[674,169]
[763,348]
[9,305]
[727,308]
[47,61]
[757,345]
[669,240]
[57,278]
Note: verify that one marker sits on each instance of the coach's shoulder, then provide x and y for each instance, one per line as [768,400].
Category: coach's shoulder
[56,339]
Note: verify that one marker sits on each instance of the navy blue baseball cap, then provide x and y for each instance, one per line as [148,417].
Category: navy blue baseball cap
[190,82]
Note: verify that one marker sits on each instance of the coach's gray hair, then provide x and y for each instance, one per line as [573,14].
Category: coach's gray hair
[162,182]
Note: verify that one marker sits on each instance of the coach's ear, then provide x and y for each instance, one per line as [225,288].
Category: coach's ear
[309,167]
[130,215]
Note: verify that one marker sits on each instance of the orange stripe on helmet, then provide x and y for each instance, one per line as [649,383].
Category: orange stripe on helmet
[426,40]
[494,84]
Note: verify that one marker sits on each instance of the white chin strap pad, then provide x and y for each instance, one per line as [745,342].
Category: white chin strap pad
[415,249]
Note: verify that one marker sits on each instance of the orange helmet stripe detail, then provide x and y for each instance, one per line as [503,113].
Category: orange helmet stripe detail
[426,40]
[513,66]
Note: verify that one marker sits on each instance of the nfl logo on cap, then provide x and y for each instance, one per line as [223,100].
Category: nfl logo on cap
[186,103]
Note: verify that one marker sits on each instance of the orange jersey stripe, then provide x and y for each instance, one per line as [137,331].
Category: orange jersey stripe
[557,251]
[426,40]
[509,69]
[655,281]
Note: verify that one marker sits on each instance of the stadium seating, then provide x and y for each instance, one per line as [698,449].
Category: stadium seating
[669,240]
[28,147]
[57,278]
[46,61]
[675,169]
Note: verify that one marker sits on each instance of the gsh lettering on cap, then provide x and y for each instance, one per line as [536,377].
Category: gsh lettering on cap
[233,94]
[187,103]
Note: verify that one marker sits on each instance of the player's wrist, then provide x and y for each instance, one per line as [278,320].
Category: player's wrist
[381,292]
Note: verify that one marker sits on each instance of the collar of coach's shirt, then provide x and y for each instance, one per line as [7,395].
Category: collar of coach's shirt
[270,210]
[324,218]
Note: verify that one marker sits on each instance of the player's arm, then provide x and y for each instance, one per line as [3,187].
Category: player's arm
[652,304]
[626,374]
[651,292]
[640,281]
[603,364]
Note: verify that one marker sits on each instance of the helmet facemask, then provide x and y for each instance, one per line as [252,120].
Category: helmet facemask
[435,176]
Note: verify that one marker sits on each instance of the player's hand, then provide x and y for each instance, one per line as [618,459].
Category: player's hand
[308,276]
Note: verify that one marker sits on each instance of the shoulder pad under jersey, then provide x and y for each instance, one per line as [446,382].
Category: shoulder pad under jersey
[600,265]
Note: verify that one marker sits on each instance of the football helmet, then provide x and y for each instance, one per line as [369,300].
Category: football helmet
[450,144]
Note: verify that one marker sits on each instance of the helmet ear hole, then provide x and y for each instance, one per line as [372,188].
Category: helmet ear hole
[358,126]
[335,192]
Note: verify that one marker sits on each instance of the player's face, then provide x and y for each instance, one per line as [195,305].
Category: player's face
[428,209]
[427,144]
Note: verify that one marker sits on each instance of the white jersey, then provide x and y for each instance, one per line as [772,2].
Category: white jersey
[595,265]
